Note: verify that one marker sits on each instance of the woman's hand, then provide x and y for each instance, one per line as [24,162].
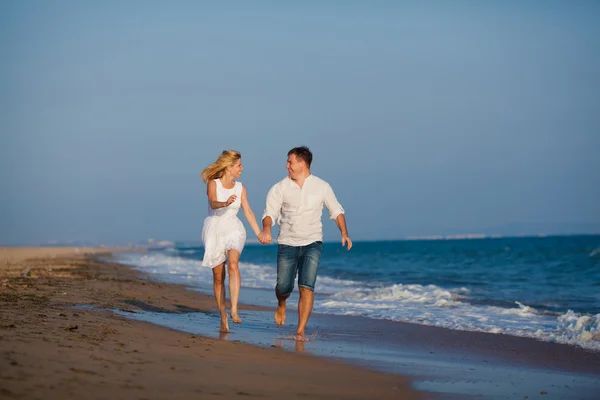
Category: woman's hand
[230,200]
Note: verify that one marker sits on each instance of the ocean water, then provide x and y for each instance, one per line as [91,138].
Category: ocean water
[546,288]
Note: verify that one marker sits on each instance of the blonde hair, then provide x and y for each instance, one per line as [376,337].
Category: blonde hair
[227,159]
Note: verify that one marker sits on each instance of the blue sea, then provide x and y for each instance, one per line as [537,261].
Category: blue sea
[546,288]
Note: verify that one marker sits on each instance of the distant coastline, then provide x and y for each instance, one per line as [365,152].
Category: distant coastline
[468,236]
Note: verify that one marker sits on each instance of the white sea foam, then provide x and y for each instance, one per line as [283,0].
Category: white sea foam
[253,275]
[422,304]
[430,305]
[521,311]
[576,327]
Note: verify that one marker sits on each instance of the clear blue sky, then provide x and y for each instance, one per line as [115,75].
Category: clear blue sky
[426,117]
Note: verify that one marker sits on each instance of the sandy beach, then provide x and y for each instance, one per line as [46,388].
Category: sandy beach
[53,349]
[76,322]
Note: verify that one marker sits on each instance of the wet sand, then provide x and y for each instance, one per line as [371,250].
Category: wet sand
[452,364]
[51,348]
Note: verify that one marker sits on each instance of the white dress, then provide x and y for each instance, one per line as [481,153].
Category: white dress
[222,229]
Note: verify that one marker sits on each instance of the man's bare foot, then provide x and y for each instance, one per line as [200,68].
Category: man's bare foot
[300,337]
[280,314]
[224,325]
[235,317]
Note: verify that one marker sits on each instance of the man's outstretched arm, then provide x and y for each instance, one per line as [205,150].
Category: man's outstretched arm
[265,235]
[271,214]
[336,211]
[340,221]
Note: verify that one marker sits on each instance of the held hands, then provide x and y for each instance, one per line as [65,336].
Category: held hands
[346,239]
[230,200]
[264,237]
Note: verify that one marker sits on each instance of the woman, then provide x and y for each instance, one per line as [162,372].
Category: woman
[223,234]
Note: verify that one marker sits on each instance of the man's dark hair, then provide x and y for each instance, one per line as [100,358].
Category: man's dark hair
[303,153]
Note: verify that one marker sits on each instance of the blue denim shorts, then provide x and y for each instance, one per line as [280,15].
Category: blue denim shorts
[301,260]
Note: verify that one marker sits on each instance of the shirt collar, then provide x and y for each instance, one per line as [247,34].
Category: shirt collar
[306,179]
[291,181]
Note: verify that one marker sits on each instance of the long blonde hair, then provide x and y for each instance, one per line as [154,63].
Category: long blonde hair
[227,159]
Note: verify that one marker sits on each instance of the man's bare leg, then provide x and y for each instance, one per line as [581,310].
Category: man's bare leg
[219,289]
[280,313]
[233,257]
[305,306]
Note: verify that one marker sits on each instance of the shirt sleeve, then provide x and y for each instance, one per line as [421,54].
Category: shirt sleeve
[332,204]
[274,204]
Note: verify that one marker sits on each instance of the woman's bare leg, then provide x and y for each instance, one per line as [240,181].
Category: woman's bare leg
[233,257]
[219,289]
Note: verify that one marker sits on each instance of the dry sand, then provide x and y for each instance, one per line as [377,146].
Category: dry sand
[51,350]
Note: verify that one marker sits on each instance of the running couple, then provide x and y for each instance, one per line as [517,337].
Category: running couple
[296,203]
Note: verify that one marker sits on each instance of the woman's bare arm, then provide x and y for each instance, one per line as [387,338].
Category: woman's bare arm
[248,213]
[211,192]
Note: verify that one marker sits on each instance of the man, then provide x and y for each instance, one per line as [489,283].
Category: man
[296,203]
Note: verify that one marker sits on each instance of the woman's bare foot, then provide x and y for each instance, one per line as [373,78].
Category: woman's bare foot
[224,325]
[235,317]
[299,346]
[280,314]
[300,337]
[225,335]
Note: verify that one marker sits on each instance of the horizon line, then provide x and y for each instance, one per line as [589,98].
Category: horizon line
[169,243]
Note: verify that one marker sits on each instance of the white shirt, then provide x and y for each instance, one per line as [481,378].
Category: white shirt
[298,210]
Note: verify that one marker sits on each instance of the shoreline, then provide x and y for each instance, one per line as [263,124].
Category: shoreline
[452,363]
[51,349]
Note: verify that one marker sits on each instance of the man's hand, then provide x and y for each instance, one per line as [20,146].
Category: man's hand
[264,237]
[346,239]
